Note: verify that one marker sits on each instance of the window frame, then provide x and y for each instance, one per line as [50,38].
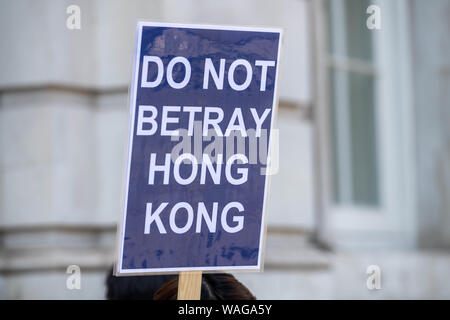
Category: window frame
[392,224]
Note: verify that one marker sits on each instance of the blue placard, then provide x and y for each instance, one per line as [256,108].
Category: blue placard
[202,105]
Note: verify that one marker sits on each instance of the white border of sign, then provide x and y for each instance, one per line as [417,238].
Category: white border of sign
[118,271]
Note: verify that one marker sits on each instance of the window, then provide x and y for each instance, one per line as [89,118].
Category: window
[364,124]
[352,86]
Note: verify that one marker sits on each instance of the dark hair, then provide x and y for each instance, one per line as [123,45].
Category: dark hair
[134,287]
[217,286]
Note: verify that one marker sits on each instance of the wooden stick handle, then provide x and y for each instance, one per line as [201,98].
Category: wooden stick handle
[189,285]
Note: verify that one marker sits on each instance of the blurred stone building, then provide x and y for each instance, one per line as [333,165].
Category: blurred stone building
[364,148]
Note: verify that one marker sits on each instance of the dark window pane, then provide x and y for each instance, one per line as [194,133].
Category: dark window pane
[335,164]
[353,138]
[363,139]
[349,36]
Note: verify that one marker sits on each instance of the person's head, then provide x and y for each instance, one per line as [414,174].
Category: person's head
[217,286]
[134,287]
